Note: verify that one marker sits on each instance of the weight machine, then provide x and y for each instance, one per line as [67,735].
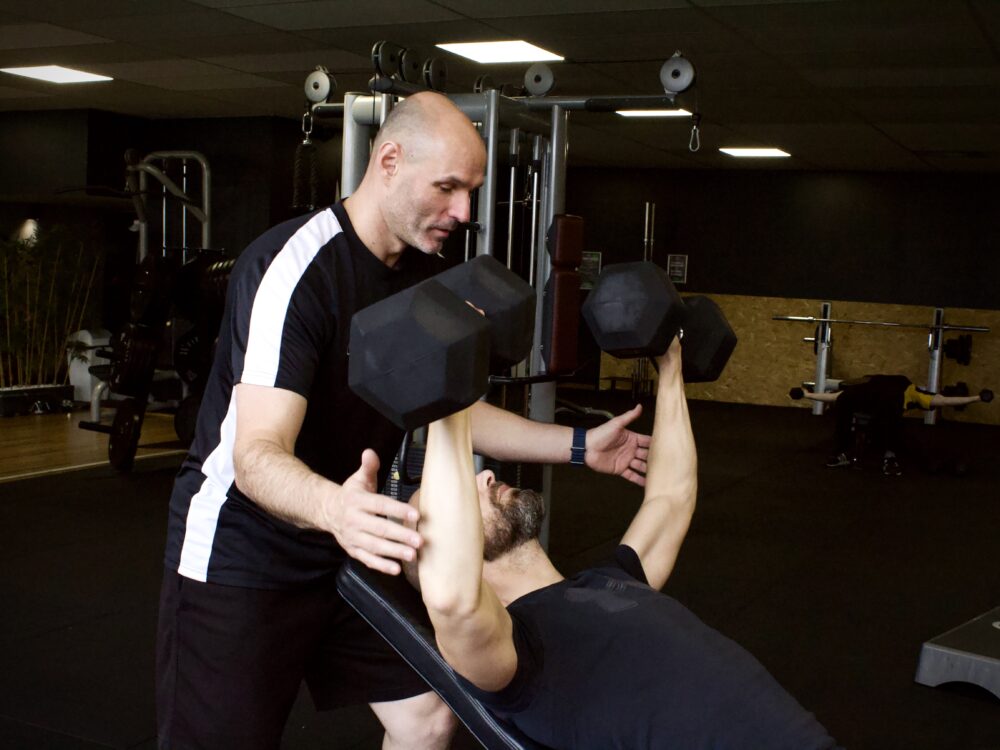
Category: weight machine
[181,276]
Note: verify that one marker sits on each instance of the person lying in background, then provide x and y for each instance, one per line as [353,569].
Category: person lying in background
[885,398]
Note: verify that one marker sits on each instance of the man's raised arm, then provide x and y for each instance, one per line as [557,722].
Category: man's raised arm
[472,628]
[660,525]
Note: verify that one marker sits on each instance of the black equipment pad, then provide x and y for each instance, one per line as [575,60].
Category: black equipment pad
[394,608]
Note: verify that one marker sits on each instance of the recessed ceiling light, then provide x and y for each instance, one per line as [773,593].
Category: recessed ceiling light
[56,74]
[501,52]
[755,152]
[653,112]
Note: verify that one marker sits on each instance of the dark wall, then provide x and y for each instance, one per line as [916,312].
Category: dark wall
[50,157]
[42,152]
[251,168]
[62,167]
[920,239]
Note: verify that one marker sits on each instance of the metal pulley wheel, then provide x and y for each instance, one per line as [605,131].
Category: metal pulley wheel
[539,80]
[411,67]
[319,84]
[386,57]
[677,74]
[483,84]
[435,74]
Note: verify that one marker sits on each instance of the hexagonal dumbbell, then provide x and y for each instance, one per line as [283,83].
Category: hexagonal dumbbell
[419,355]
[634,310]
[504,297]
[708,341]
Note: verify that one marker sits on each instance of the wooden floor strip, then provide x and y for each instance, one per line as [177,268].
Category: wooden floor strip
[40,444]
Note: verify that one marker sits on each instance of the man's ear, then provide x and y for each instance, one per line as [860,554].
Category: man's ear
[389,158]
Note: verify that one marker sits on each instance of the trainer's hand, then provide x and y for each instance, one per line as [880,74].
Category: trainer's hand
[363,522]
[612,448]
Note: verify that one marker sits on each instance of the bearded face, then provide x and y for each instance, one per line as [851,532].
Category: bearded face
[513,516]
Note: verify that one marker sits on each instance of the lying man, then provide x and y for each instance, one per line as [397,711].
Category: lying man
[885,398]
[603,659]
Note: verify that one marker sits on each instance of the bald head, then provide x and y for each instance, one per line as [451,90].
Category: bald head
[423,121]
[426,161]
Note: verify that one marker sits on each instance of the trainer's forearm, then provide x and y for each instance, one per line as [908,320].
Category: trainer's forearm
[281,484]
[451,559]
[506,436]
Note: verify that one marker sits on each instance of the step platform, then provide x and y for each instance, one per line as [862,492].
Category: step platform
[969,653]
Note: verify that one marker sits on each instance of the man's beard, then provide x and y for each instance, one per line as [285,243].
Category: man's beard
[517,520]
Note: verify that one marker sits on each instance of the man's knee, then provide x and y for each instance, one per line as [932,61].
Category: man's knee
[422,722]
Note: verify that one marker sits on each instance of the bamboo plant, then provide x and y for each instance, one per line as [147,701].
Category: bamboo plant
[46,293]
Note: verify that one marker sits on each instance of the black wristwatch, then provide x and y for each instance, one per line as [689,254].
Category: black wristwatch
[579,449]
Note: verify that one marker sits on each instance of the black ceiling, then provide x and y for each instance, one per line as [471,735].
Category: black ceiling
[893,85]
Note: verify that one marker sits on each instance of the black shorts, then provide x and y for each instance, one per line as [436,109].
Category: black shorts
[230,661]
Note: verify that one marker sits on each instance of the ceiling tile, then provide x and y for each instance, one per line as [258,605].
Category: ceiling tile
[140,71]
[302,62]
[517,8]
[230,80]
[61,12]
[9,92]
[422,36]
[698,46]
[195,23]
[75,56]
[260,43]
[324,14]
[606,24]
[240,3]
[28,35]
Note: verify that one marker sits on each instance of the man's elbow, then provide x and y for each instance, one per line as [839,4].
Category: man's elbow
[249,454]
[244,459]
[448,603]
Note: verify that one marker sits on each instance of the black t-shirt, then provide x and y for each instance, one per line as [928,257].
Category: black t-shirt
[876,393]
[605,661]
[286,325]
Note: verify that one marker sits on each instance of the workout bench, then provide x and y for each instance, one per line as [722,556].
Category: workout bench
[393,607]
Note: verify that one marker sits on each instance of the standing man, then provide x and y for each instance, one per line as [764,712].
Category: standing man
[602,659]
[275,493]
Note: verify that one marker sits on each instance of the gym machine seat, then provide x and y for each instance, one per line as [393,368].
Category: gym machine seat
[393,607]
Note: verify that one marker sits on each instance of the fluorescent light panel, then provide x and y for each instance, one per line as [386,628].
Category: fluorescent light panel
[501,52]
[755,152]
[56,74]
[653,112]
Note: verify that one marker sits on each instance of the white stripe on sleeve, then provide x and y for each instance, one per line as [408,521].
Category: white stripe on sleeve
[270,304]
